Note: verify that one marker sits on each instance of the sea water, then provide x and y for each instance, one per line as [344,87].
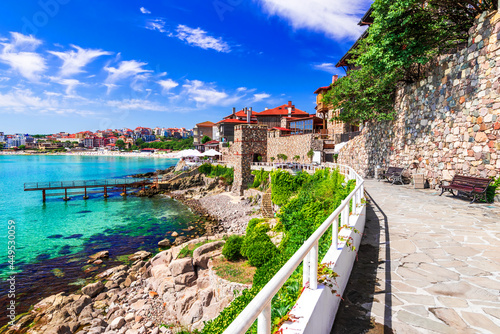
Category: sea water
[51,236]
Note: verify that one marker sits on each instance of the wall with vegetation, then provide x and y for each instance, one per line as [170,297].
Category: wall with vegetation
[447,123]
[289,146]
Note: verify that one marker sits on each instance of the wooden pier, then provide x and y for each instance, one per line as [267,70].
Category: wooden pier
[87,186]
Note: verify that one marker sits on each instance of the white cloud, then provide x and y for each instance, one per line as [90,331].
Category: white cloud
[261,96]
[20,56]
[200,38]
[206,94]
[167,85]
[137,104]
[73,62]
[21,99]
[125,70]
[144,10]
[327,67]
[336,18]
[69,83]
[156,24]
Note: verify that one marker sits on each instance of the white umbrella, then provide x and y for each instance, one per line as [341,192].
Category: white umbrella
[189,153]
[211,153]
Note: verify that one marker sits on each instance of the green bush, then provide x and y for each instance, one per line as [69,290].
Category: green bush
[225,173]
[492,189]
[314,199]
[261,178]
[232,248]
[205,169]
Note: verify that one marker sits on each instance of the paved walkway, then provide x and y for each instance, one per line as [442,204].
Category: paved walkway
[437,270]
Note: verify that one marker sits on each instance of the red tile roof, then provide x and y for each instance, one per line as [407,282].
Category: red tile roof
[235,121]
[283,110]
[207,123]
[322,88]
[211,142]
[242,113]
[281,129]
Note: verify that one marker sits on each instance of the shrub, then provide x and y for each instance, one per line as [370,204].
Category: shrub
[205,169]
[257,246]
[232,247]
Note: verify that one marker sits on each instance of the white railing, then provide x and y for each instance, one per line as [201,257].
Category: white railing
[260,307]
[291,166]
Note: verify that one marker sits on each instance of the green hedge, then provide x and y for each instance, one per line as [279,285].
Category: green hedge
[225,173]
[311,199]
[232,248]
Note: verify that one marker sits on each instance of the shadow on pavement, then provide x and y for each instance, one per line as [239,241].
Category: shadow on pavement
[353,314]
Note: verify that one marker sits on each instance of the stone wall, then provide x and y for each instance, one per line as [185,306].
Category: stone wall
[249,141]
[448,122]
[290,146]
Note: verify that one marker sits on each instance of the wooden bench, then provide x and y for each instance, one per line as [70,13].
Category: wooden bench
[394,174]
[474,187]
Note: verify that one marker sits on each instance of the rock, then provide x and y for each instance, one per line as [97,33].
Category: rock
[118,323]
[73,326]
[93,289]
[164,243]
[60,329]
[202,261]
[98,322]
[187,279]
[77,306]
[140,255]
[128,281]
[99,255]
[129,317]
[26,320]
[152,294]
[175,234]
[190,228]
[203,249]
[181,266]
[180,240]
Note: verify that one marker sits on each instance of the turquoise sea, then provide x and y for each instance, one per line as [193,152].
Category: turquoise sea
[54,239]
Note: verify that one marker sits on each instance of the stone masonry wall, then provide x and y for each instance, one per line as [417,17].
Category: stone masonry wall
[447,123]
[249,140]
[290,146]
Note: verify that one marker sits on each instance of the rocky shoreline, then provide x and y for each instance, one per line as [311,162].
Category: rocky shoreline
[163,294]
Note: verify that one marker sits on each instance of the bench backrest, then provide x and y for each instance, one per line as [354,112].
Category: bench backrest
[394,170]
[477,182]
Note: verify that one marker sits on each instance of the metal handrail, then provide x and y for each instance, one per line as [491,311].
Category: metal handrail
[260,307]
[87,183]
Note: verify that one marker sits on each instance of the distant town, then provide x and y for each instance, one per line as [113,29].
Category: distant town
[118,139]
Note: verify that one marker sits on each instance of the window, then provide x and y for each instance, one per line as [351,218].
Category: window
[301,127]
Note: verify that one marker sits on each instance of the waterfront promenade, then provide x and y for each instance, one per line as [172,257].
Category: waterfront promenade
[427,264]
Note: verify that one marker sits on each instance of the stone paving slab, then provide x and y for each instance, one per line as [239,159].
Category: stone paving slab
[438,267]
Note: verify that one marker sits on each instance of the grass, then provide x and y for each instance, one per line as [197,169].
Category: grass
[238,271]
[187,251]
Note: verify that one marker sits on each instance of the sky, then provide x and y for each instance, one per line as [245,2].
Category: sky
[75,65]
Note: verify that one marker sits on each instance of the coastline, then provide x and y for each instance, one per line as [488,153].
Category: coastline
[220,212]
[96,154]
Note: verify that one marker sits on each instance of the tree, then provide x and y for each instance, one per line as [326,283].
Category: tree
[310,154]
[404,37]
[296,157]
[205,139]
[120,144]
[139,142]
[272,159]
[21,147]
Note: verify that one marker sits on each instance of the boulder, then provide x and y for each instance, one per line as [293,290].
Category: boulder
[117,323]
[77,306]
[164,243]
[162,258]
[181,266]
[180,240]
[175,234]
[206,248]
[99,255]
[59,329]
[140,255]
[187,279]
[93,289]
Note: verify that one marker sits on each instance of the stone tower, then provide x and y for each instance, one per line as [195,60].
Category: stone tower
[250,142]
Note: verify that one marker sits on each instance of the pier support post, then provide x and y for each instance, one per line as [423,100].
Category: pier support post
[66,194]
[44,196]
[85,196]
[124,193]
[106,192]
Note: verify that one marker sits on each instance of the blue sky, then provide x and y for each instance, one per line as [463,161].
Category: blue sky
[72,65]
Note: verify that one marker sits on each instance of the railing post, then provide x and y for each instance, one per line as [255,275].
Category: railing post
[264,321]
[305,270]
[344,217]
[313,263]
[335,232]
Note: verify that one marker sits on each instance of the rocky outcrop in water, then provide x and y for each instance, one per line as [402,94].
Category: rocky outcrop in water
[137,299]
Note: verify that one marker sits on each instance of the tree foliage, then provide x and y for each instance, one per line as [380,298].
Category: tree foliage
[205,139]
[404,37]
